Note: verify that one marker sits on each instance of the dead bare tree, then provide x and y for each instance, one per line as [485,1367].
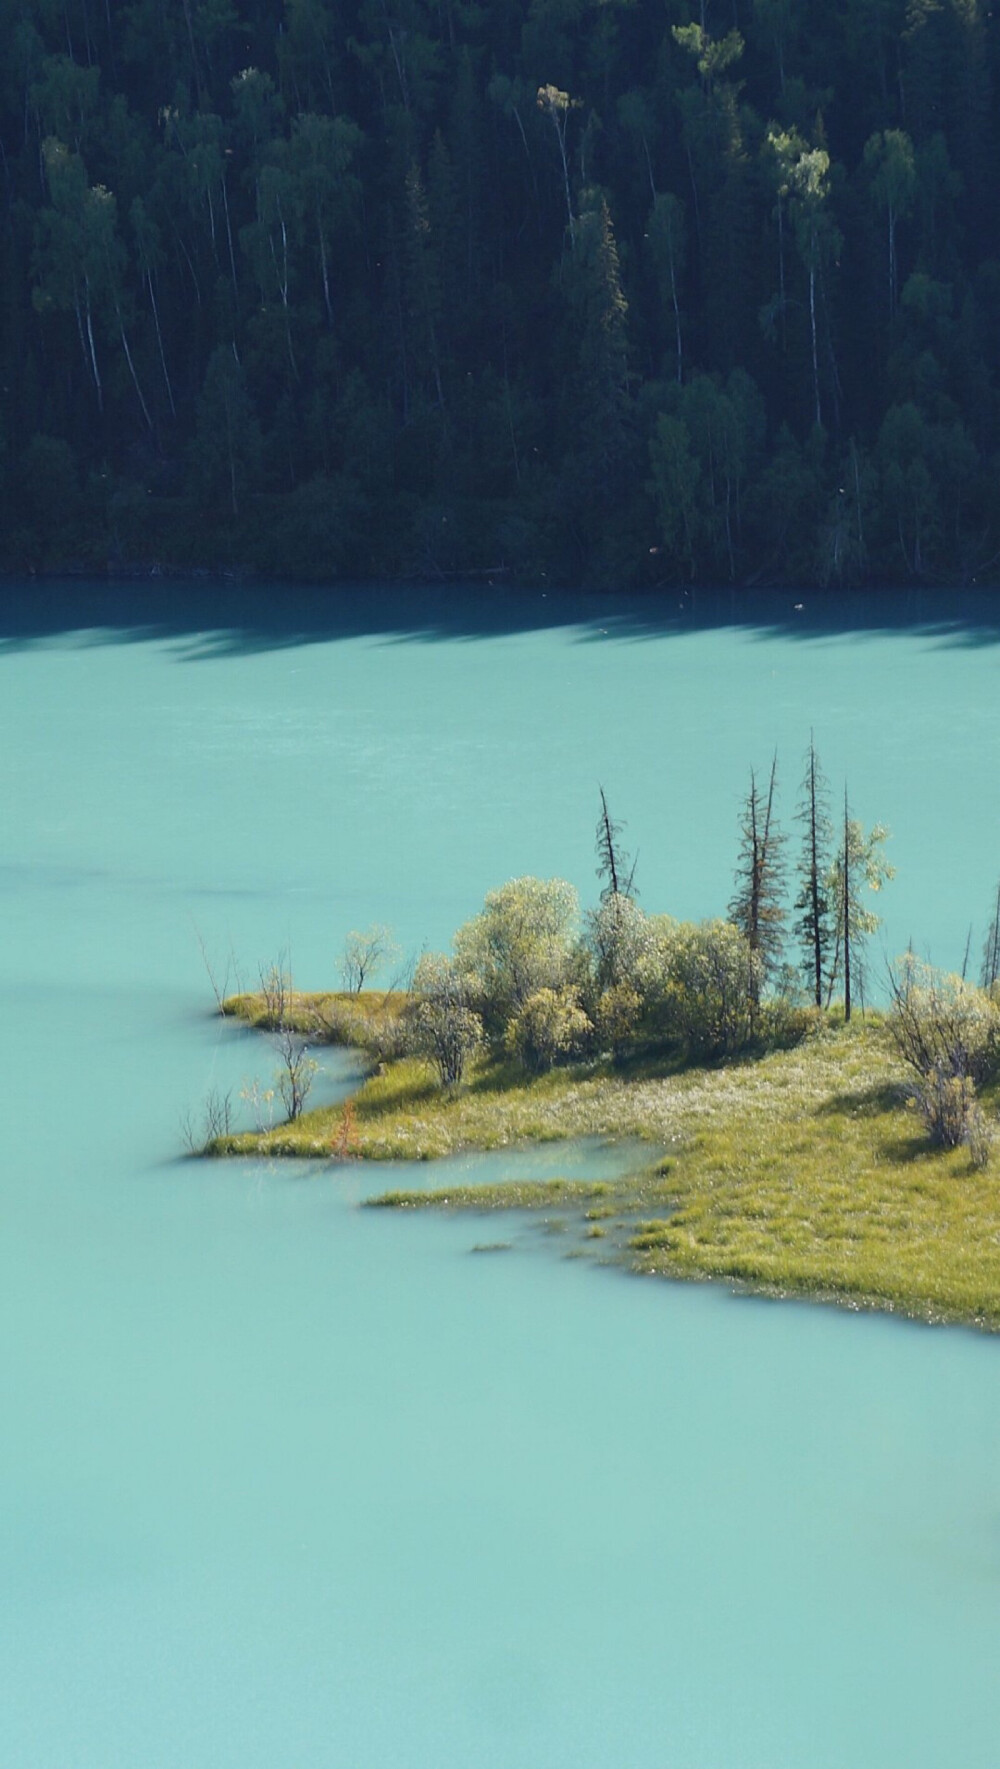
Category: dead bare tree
[991,951]
[261,1102]
[221,982]
[295,1073]
[845,912]
[614,866]
[757,908]
[216,1122]
[276,992]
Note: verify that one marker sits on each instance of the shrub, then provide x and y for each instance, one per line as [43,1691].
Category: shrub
[783,1021]
[653,971]
[619,1012]
[979,1136]
[277,992]
[947,1105]
[550,1028]
[520,942]
[714,973]
[698,979]
[385,1036]
[947,1032]
[942,1024]
[295,1072]
[440,1022]
[344,1141]
[618,935]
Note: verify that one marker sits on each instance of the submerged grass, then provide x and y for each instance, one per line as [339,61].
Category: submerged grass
[801,1172]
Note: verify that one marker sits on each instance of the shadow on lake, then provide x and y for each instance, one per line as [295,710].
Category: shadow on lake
[213,617]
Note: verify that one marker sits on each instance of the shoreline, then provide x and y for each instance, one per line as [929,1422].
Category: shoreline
[237,574]
[798,1174]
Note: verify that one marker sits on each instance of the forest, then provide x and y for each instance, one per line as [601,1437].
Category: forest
[602,292]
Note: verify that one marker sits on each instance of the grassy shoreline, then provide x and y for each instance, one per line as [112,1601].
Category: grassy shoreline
[802,1172]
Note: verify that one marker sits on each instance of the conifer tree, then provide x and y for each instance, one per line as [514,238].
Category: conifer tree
[579,291]
[598,392]
[615,867]
[225,454]
[757,908]
[814,927]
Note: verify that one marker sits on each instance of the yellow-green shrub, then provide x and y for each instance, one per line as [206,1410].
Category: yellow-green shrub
[551,1027]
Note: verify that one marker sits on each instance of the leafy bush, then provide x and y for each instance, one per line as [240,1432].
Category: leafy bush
[942,1024]
[520,942]
[619,1013]
[653,971]
[440,1023]
[979,1136]
[698,981]
[618,935]
[550,1028]
[947,1104]
[947,1031]
[783,1021]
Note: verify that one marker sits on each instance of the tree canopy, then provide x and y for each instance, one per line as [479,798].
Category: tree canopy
[578,292]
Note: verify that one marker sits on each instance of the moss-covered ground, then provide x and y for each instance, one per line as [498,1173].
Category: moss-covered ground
[799,1172]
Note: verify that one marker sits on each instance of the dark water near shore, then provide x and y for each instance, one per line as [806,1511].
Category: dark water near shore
[286,1482]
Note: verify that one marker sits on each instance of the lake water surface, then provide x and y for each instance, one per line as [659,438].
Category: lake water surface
[289,1483]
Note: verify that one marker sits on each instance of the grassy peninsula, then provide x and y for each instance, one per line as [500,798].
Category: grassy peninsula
[799,1172]
[792,1149]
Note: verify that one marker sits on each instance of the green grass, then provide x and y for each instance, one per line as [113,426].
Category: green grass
[802,1172]
[333,1015]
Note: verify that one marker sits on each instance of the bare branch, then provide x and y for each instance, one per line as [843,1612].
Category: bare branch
[364,955]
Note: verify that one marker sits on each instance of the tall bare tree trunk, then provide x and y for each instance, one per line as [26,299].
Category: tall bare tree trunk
[847,913]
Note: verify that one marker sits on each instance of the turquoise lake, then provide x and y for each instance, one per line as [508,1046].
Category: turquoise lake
[287,1484]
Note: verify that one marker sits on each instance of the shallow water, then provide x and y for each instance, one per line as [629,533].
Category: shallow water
[289,1482]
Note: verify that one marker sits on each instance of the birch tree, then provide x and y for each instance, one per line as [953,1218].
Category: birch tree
[859,869]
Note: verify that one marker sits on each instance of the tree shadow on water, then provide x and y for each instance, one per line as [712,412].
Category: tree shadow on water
[206,617]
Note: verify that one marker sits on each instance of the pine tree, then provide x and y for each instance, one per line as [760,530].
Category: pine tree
[757,908]
[814,927]
[597,393]
[615,867]
[225,454]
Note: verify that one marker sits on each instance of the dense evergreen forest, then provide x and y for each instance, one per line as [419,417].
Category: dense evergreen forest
[596,291]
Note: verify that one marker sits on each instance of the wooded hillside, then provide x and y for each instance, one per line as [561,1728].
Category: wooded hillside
[600,291]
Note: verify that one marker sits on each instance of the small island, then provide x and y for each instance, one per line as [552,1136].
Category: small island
[795,1148]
